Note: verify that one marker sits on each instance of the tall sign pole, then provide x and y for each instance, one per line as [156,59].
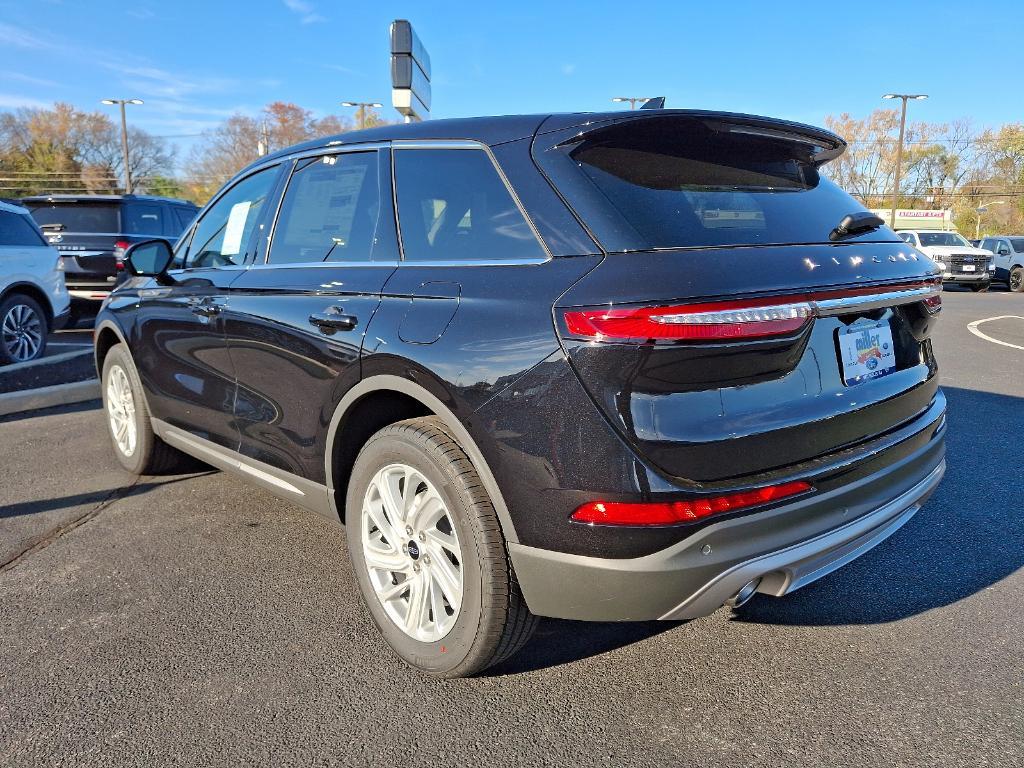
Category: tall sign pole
[410,73]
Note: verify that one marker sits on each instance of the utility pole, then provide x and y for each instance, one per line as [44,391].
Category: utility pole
[633,100]
[124,139]
[263,144]
[904,97]
[980,210]
[361,110]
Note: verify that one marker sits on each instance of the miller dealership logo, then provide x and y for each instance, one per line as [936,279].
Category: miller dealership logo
[56,238]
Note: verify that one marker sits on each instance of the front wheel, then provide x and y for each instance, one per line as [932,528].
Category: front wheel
[1017,279]
[23,329]
[429,555]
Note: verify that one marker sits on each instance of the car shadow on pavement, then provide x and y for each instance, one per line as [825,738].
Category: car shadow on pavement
[968,536]
[559,642]
[92,498]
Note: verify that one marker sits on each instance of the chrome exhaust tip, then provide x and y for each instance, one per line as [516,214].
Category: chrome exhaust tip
[745,594]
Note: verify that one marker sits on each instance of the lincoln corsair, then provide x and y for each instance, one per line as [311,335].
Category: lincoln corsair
[608,367]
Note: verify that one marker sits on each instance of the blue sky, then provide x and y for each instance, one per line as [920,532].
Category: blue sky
[195,63]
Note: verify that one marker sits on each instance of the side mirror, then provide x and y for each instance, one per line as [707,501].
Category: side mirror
[1003,251]
[150,258]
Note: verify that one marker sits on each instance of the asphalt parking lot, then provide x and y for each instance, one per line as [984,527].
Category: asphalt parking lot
[194,620]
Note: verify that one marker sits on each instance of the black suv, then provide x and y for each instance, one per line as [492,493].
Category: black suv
[92,233]
[610,367]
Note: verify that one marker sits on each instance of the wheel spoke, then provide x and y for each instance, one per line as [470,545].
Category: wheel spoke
[379,518]
[447,576]
[417,603]
[443,540]
[437,600]
[384,560]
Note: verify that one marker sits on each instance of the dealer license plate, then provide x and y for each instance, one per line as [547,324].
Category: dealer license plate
[866,352]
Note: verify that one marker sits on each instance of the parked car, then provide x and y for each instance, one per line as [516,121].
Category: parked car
[92,232]
[1009,259]
[33,298]
[612,367]
[961,262]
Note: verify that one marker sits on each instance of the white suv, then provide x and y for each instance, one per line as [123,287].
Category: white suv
[1009,261]
[960,262]
[33,297]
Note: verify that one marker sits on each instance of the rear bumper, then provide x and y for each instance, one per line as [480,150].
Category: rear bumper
[786,548]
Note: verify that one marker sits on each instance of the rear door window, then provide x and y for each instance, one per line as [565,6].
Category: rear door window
[453,206]
[95,218]
[330,210]
[143,219]
[182,217]
[679,181]
[17,230]
[1018,244]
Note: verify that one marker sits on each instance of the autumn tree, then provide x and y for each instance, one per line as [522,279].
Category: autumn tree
[64,149]
[241,139]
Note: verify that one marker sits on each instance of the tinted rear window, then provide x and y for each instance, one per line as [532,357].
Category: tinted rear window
[1018,244]
[144,219]
[17,229]
[79,217]
[673,182]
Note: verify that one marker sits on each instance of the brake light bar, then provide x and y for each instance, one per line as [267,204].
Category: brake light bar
[672,512]
[741,319]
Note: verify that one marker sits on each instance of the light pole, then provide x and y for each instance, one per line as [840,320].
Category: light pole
[124,138]
[361,111]
[980,210]
[904,97]
[632,99]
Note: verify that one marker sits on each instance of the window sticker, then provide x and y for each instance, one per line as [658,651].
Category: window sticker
[235,228]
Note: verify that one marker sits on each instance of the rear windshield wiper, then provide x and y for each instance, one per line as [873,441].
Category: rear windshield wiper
[856,224]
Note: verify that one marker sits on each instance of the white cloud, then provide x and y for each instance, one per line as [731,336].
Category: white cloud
[20,78]
[16,37]
[12,101]
[305,10]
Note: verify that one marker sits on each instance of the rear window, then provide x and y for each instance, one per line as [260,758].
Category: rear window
[1018,244]
[676,182]
[78,217]
[144,219]
[17,229]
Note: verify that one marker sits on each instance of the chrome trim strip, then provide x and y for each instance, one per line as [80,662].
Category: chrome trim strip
[829,307]
[306,493]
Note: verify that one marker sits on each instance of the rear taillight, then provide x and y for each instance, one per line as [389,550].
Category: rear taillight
[742,319]
[672,512]
[119,249]
[722,320]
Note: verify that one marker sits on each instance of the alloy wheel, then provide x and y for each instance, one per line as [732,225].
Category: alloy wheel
[1016,279]
[412,553]
[121,411]
[22,333]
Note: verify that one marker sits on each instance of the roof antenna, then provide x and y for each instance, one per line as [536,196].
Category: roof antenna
[658,102]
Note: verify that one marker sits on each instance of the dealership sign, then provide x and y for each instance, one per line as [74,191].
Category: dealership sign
[410,72]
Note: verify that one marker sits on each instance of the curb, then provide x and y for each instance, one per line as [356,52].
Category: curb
[59,358]
[48,397]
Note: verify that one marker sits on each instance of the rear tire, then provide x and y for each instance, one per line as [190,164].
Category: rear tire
[413,495]
[23,329]
[136,446]
[1016,280]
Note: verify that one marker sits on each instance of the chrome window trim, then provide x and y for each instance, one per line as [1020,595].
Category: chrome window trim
[462,144]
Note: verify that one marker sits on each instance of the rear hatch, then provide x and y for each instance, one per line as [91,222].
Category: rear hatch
[85,232]
[730,331]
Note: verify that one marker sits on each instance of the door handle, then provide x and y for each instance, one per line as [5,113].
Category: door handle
[206,309]
[332,320]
